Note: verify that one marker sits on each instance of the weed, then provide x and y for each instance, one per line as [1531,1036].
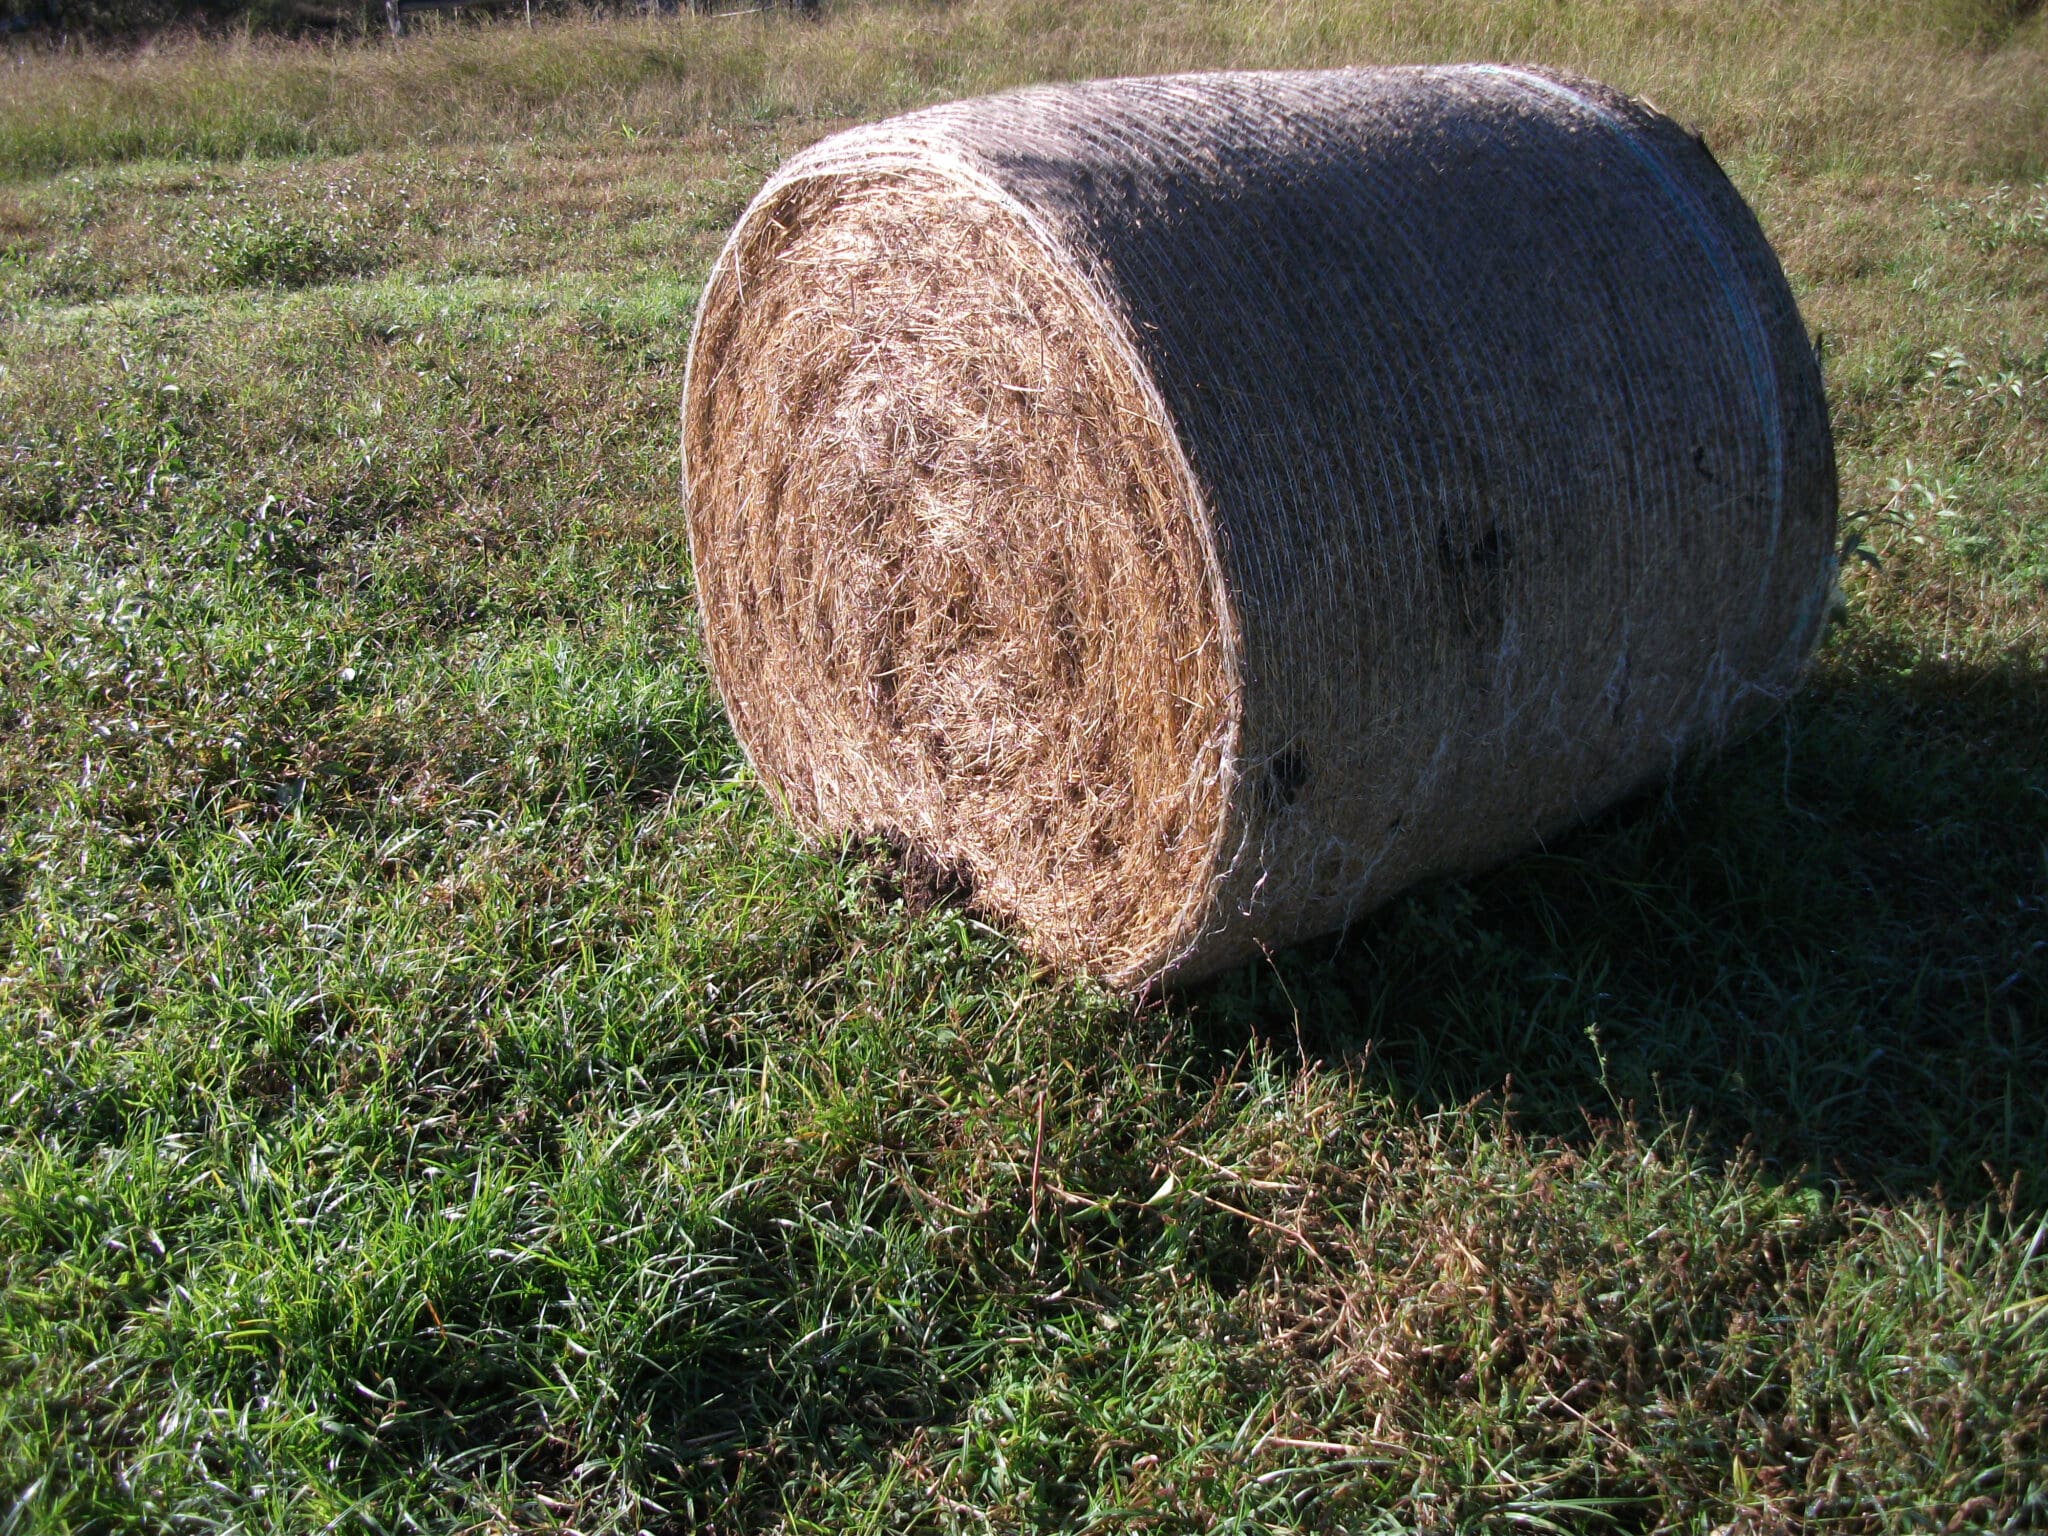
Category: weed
[71,272]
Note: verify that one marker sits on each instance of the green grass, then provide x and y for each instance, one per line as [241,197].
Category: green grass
[439,1094]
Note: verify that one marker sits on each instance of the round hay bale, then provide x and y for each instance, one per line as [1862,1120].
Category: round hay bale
[1190,510]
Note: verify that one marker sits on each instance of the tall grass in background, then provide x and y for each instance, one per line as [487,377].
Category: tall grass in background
[1946,86]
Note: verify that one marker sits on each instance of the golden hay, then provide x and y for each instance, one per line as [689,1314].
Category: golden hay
[1193,509]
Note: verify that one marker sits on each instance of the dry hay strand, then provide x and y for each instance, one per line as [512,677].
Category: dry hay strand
[1194,509]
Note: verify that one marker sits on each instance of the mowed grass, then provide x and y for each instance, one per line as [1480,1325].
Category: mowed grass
[439,1095]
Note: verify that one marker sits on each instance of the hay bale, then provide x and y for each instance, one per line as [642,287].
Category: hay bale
[1193,509]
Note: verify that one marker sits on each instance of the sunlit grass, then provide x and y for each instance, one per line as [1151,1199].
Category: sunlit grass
[1931,86]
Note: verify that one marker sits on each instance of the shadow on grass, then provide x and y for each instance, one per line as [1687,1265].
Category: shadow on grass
[1830,945]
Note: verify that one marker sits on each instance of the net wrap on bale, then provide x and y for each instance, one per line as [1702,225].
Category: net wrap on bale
[1192,509]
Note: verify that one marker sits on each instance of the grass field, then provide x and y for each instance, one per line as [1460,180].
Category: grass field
[439,1095]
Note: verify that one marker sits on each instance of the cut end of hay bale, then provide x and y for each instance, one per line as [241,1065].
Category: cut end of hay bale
[962,598]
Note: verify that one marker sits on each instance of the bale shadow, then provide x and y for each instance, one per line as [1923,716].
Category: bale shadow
[1829,945]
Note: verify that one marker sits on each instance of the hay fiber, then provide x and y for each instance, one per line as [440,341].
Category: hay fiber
[1193,509]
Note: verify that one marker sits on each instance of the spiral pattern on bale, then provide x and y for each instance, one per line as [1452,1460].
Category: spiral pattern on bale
[1194,509]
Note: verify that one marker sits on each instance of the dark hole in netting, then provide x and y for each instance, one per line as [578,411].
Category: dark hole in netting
[1483,556]
[1285,777]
